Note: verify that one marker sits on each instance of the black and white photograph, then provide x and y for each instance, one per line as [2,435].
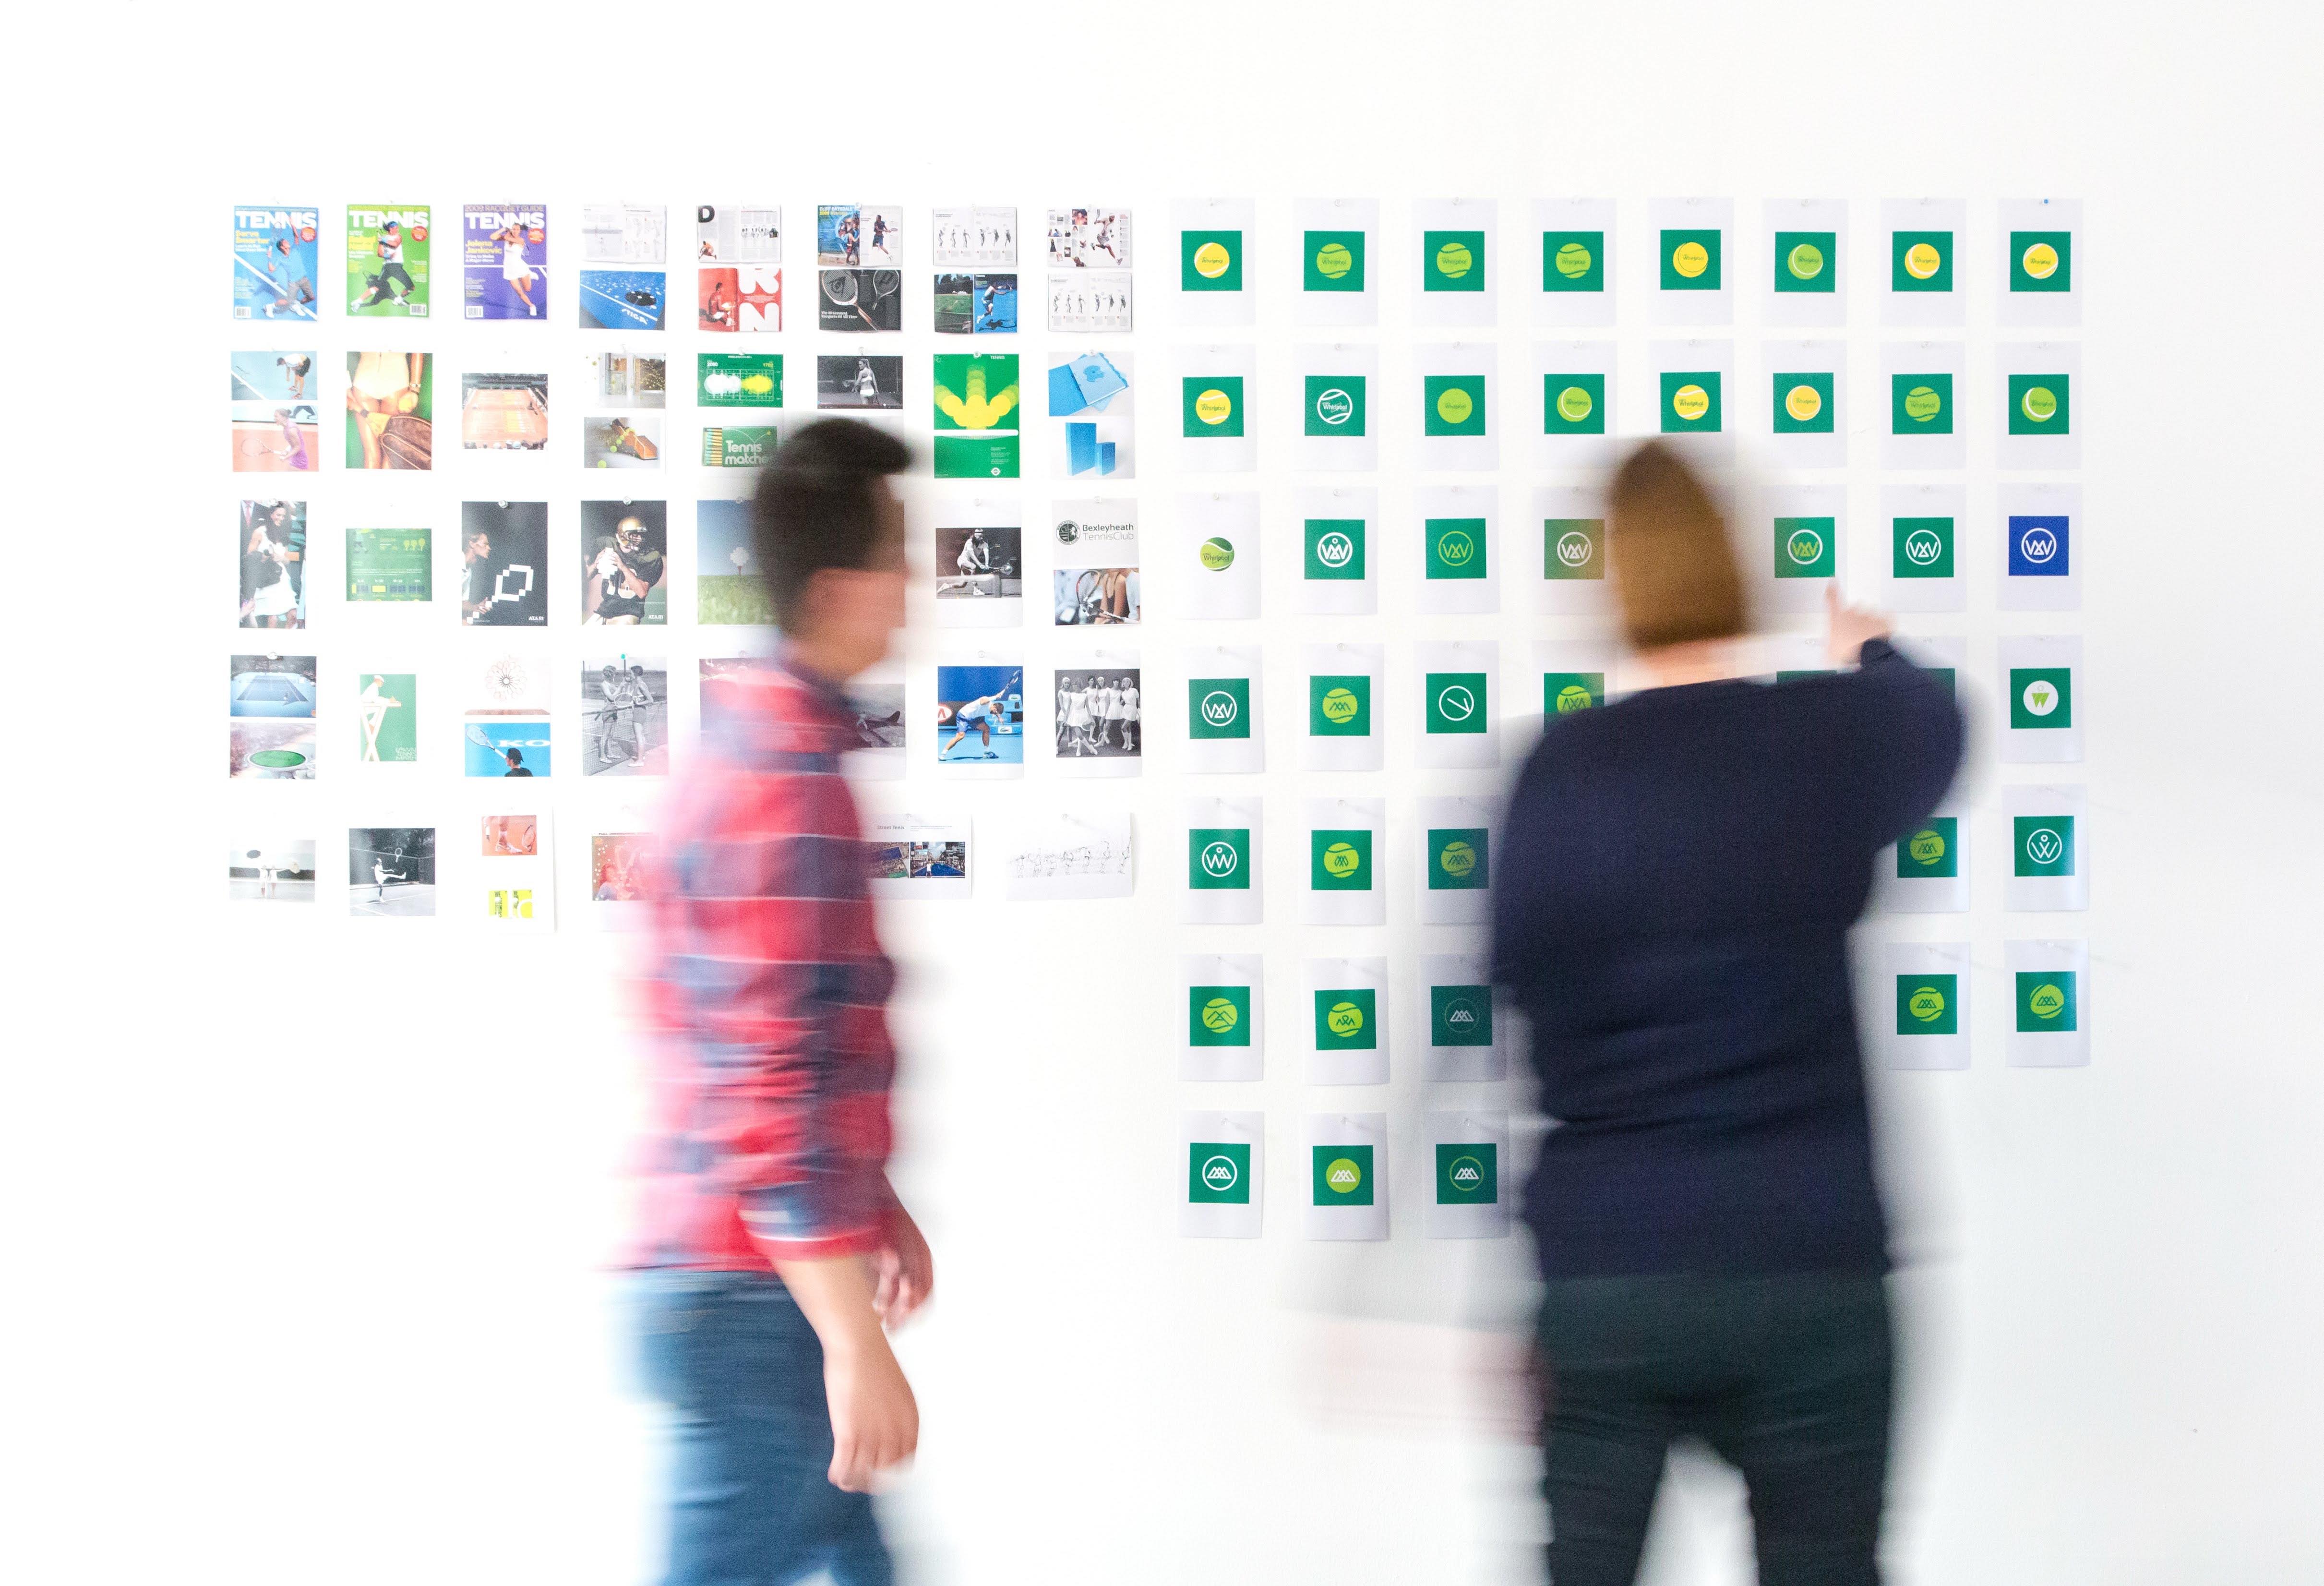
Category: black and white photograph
[862,300]
[268,870]
[859,380]
[1099,713]
[392,871]
[505,564]
[982,564]
[624,715]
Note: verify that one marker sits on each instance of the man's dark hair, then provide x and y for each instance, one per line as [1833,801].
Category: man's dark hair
[815,506]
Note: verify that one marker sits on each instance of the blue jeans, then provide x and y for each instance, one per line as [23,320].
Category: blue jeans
[751,1498]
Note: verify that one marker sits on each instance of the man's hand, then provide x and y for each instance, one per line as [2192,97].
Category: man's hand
[905,1271]
[1850,626]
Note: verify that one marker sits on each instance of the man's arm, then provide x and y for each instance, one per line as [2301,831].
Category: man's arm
[875,1421]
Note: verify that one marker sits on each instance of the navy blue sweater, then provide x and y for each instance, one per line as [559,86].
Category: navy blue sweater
[1676,882]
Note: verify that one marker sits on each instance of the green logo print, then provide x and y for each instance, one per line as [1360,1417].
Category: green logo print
[1452,261]
[2038,405]
[1218,1016]
[1468,1175]
[1340,859]
[1573,404]
[1564,693]
[2045,1001]
[2044,844]
[1459,858]
[1218,708]
[1455,547]
[1931,851]
[2041,260]
[1218,1174]
[1574,261]
[1806,547]
[1573,548]
[1211,406]
[1689,261]
[1805,261]
[1921,404]
[1921,262]
[1210,261]
[1456,702]
[1803,404]
[1335,404]
[1218,859]
[1340,706]
[1344,1176]
[1334,547]
[1928,1005]
[1347,1020]
[1453,404]
[1460,1016]
[1690,402]
[1333,262]
[2041,698]
[1922,548]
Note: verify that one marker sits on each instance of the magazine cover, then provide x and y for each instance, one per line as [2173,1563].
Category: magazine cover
[505,261]
[274,262]
[387,261]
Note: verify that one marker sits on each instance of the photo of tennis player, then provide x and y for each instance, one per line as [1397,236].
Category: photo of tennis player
[274,413]
[387,260]
[859,234]
[512,836]
[505,261]
[275,268]
[980,714]
[624,715]
[1099,713]
[387,717]
[969,305]
[271,685]
[505,564]
[392,871]
[272,539]
[625,557]
[613,440]
[859,380]
[730,298]
[859,300]
[271,870]
[617,866]
[980,562]
[390,406]
[505,412]
[1089,236]
[503,745]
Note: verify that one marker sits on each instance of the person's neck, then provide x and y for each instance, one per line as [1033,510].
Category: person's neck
[1698,660]
[822,658]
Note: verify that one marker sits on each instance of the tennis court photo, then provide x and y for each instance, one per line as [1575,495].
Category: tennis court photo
[505,412]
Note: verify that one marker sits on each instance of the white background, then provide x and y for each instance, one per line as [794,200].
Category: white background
[308,1224]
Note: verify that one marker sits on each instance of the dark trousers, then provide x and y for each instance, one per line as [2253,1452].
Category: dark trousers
[751,1498]
[1787,1377]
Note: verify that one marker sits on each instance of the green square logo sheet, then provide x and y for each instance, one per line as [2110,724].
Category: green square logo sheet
[1333,261]
[1455,547]
[1218,708]
[1218,1174]
[2038,405]
[1806,547]
[1452,261]
[1804,261]
[1928,1005]
[1574,261]
[1340,706]
[2041,698]
[1218,1016]
[1460,1016]
[1921,261]
[1340,859]
[2044,844]
[1344,1176]
[1347,1020]
[1573,404]
[1804,403]
[1210,261]
[1689,259]
[1333,548]
[1335,404]
[1564,693]
[1459,859]
[1453,404]
[1931,851]
[2045,1001]
[1211,406]
[1573,548]
[1468,1175]
[1921,404]
[1218,859]
[1920,548]
[2041,260]
[1690,404]
[1457,702]
[976,416]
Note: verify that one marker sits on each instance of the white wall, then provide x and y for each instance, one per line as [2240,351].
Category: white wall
[309,1221]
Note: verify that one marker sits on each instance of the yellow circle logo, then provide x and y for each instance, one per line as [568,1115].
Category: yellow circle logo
[1453,261]
[1339,706]
[1574,261]
[1573,696]
[1454,405]
[1573,404]
[1344,1019]
[1927,1004]
[1334,260]
[1922,403]
[1927,846]
[2040,260]
[1690,402]
[1211,261]
[1804,402]
[1458,859]
[2040,403]
[1213,406]
[1219,1016]
[1342,1177]
[1454,548]
[1690,259]
[1805,261]
[1922,261]
[1217,554]
[2046,1002]
[1343,861]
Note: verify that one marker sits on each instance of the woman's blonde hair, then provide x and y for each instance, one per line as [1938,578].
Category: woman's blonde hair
[1674,572]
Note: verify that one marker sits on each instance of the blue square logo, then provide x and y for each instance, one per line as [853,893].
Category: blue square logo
[2037,547]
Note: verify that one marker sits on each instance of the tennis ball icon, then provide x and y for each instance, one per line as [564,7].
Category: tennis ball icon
[1922,261]
[1455,260]
[1459,858]
[1217,554]
[1805,262]
[1690,402]
[1690,259]
[1922,403]
[1454,404]
[1213,406]
[2040,403]
[1342,861]
[2047,1001]
[1344,1019]
[1804,402]
[2040,260]
[1573,404]
[1220,1015]
[1211,261]
[1342,1177]
[1339,706]
[1334,260]
[1927,845]
[1335,406]
[1573,696]
[758,385]
[1927,1004]
[1574,261]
